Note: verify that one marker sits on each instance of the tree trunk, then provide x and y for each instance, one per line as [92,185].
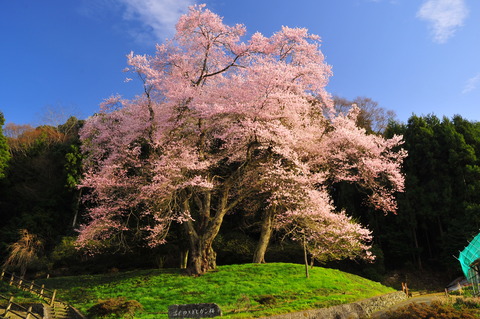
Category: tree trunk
[202,232]
[417,250]
[204,227]
[305,255]
[183,259]
[266,233]
[76,207]
[202,257]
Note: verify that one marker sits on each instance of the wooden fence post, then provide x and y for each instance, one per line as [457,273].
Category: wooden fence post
[9,306]
[41,291]
[405,289]
[3,274]
[11,279]
[53,297]
[20,281]
[29,313]
[31,285]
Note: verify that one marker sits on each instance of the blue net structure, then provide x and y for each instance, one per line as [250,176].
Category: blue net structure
[470,261]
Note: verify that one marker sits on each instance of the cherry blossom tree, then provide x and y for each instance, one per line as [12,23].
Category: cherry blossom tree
[223,122]
[344,152]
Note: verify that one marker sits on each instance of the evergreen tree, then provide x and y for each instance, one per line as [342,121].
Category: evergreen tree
[4,153]
[438,211]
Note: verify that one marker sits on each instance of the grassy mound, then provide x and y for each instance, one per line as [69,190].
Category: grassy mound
[248,290]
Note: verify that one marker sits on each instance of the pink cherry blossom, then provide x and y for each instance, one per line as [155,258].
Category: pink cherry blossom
[221,122]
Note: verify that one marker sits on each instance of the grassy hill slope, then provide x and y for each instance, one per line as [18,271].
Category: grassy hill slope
[248,290]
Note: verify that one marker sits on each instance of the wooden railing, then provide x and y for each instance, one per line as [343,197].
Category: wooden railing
[19,310]
[49,296]
[30,286]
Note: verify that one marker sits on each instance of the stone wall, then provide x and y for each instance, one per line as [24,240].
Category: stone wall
[360,309]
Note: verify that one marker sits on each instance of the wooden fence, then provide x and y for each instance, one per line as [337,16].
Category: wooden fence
[30,286]
[49,296]
[19,310]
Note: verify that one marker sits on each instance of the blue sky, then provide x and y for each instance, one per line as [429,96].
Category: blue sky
[413,57]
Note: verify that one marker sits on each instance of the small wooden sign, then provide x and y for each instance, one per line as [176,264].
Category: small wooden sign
[196,310]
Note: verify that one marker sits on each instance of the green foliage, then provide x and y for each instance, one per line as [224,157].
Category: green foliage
[240,290]
[234,247]
[21,296]
[438,213]
[65,252]
[34,193]
[118,307]
[4,153]
[73,165]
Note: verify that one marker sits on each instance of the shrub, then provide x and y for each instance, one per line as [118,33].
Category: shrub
[234,248]
[436,309]
[23,252]
[470,303]
[65,252]
[118,307]
[243,304]
[465,292]
[266,299]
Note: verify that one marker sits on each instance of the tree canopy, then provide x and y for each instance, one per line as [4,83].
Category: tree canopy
[223,124]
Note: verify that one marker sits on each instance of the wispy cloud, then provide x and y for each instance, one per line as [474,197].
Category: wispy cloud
[471,84]
[444,16]
[157,16]
[147,20]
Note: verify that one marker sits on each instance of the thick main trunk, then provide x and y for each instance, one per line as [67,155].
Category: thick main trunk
[202,230]
[265,235]
[202,257]
[201,234]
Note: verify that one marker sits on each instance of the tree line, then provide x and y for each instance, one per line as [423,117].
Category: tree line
[437,214]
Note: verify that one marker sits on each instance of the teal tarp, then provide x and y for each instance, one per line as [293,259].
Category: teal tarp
[468,256]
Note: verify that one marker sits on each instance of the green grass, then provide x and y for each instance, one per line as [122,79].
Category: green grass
[20,296]
[249,290]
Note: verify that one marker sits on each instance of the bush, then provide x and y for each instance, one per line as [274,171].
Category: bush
[266,300]
[23,252]
[118,307]
[234,248]
[469,303]
[436,309]
[65,253]
[243,304]
[465,292]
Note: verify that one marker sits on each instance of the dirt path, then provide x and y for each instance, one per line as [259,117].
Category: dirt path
[419,299]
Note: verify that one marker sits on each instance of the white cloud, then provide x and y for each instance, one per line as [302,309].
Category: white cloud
[158,16]
[444,16]
[471,84]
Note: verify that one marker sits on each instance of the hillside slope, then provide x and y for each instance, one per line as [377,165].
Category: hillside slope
[246,290]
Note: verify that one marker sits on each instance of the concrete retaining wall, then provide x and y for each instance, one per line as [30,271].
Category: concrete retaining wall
[360,309]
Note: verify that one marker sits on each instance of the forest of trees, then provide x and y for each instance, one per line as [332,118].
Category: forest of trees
[437,215]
